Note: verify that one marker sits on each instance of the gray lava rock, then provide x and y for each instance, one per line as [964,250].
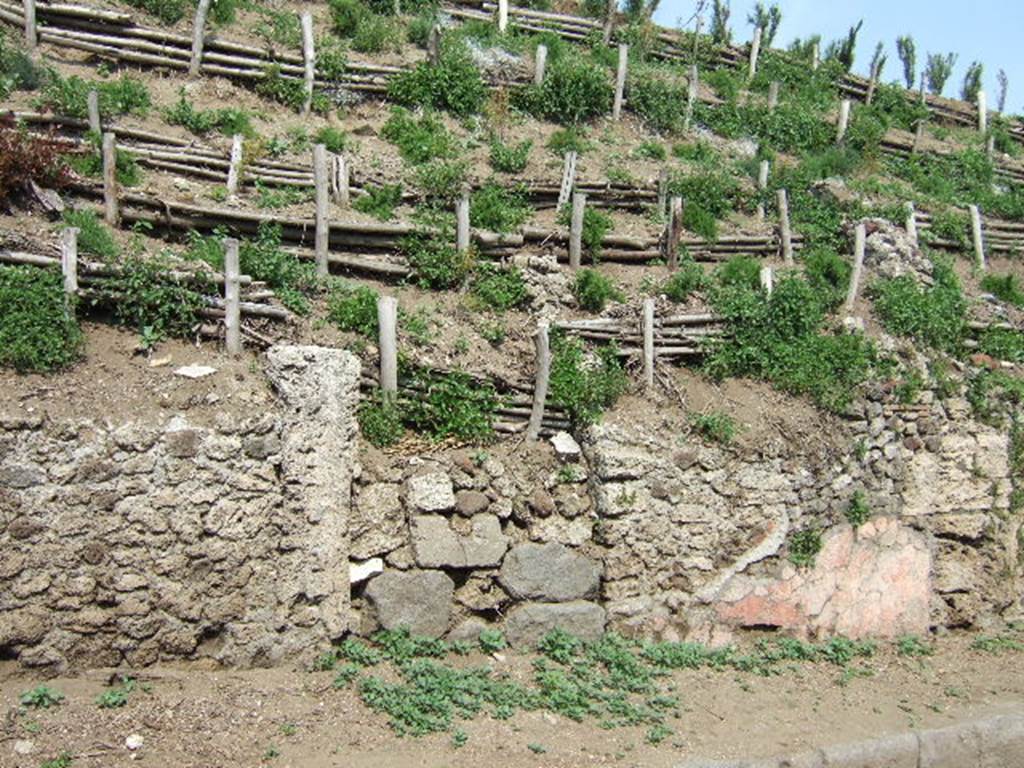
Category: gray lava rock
[420,601]
[528,623]
[436,545]
[431,492]
[549,573]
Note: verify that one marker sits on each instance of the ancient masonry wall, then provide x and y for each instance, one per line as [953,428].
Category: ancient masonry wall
[154,541]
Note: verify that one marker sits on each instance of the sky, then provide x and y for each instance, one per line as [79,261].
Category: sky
[988,31]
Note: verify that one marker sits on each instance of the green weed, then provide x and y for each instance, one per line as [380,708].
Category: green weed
[510,158]
[353,308]
[804,546]
[93,236]
[593,290]
[585,387]
[380,202]
[41,697]
[38,328]
[716,426]
[499,288]
[858,512]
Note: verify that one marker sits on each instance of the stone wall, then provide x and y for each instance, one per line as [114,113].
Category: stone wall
[651,533]
[167,539]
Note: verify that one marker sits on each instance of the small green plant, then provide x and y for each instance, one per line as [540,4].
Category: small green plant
[38,328]
[346,674]
[285,90]
[572,139]
[63,760]
[229,121]
[279,197]
[657,734]
[441,180]
[914,646]
[934,316]
[585,386]
[537,749]
[114,698]
[804,546]
[93,236]
[334,139]
[89,162]
[459,738]
[997,644]
[379,202]
[69,96]
[492,641]
[596,224]
[353,308]
[510,158]
[436,263]
[453,84]
[689,279]
[453,404]
[380,420]
[495,208]
[652,150]
[499,288]
[41,697]
[716,426]
[1004,287]
[858,512]
[575,89]
[593,290]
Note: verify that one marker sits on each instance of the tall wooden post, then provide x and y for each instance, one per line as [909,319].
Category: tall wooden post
[323,202]
[872,84]
[579,205]
[773,95]
[111,211]
[232,308]
[540,384]
[540,64]
[815,56]
[620,81]
[198,36]
[609,21]
[982,112]
[755,51]
[762,185]
[462,223]
[663,192]
[918,137]
[434,46]
[859,240]
[844,120]
[31,33]
[309,60]
[568,178]
[673,232]
[235,164]
[92,105]
[340,181]
[69,259]
[978,237]
[387,327]
[784,231]
[691,95]
[502,15]
[767,280]
[912,224]
[648,333]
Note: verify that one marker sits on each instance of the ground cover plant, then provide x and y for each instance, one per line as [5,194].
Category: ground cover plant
[38,328]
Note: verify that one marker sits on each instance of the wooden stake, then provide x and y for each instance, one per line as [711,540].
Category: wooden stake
[387,325]
[767,280]
[579,204]
[648,331]
[232,310]
[111,214]
[773,95]
[674,232]
[309,60]
[982,112]
[502,15]
[912,224]
[31,33]
[568,178]
[92,102]
[844,120]
[872,85]
[434,46]
[609,21]
[462,223]
[755,51]
[540,384]
[323,224]
[340,180]
[198,37]
[786,234]
[620,81]
[815,56]
[69,259]
[235,166]
[990,145]
[540,64]
[978,236]
[924,99]
[762,185]
[859,240]
[691,95]
[918,137]
[663,192]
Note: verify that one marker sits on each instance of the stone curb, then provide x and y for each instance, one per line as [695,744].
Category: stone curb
[993,742]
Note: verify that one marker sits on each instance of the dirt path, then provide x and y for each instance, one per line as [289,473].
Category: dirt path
[189,716]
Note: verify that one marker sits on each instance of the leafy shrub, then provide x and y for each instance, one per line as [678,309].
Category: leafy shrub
[69,96]
[688,279]
[419,140]
[858,512]
[593,290]
[739,272]
[93,237]
[828,274]
[17,70]
[499,288]
[38,328]
[716,426]
[495,208]
[949,225]
[436,264]
[491,641]
[353,308]
[229,120]
[804,547]
[1004,287]
[334,139]
[441,179]
[279,28]
[1002,344]
[453,405]
[572,139]
[709,196]
[659,103]
[652,150]
[698,152]
[375,34]
[933,316]
[379,202]
[380,420]
[453,84]
[263,258]
[574,90]
[25,158]
[512,158]
[584,387]
[275,85]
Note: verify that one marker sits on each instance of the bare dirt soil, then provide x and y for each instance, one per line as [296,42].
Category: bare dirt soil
[189,716]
